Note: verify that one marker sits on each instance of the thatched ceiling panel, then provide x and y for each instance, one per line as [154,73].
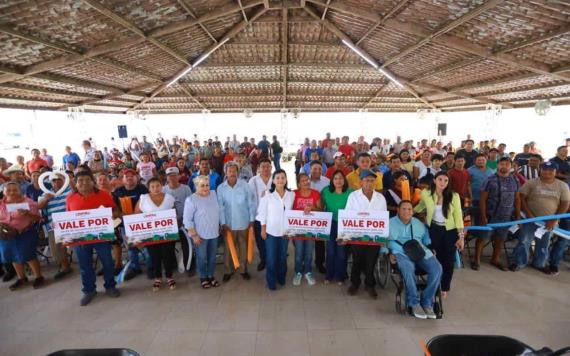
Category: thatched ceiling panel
[130,97]
[322,54]
[202,7]
[190,43]
[238,88]
[235,73]
[555,52]
[514,20]
[259,31]
[152,105]
[515,85]
[374,6]
[533,94]
[19,52]
[28,103]
[26,94]
[310,32]
[116,103]
[146,14]
[220,26]
[432,55]
[100,73]
[68,21]
[434,14]
[393,89]
[354,27]
[384,43]
[480,71]
[325,88]
[239,99]
[150,58]
[246,53]
[457,102]
[49,84]
[332,74]
[249,105]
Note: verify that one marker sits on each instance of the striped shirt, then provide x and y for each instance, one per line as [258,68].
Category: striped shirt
[55,205]
[528,172]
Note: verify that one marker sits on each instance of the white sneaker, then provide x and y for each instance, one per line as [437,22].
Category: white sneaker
[429,313]
[310,279]
[297,279]
[418,312]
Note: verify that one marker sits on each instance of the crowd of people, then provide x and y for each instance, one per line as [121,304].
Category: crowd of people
[226,188]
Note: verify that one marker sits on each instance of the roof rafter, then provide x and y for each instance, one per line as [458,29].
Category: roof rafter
[230,34]
[341,35]
[187,8]
[284,53]
[397,8]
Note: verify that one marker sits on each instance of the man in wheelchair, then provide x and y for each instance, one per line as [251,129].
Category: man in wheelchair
[408,243]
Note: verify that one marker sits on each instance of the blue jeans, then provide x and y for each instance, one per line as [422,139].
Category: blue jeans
[521,251]
[134,259]
[206,257]
[407,268]
[276,253]
[336,257]
[277,160]
[85,256]
[259,242]
[558,248]
[304,256]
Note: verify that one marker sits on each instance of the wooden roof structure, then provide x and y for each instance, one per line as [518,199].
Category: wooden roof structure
[269,55]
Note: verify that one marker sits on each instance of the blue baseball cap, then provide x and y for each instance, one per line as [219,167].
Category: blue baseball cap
[549,165]
[367,173]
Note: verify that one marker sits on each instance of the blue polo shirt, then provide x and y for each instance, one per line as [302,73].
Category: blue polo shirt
[72,157]
[214,177]
[477,177]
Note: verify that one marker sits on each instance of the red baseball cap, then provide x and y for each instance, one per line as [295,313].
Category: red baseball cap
[129,170]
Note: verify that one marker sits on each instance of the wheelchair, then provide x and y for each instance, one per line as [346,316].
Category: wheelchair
[398,281]
[381,268]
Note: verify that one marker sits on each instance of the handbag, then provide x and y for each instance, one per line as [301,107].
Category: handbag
[7,232]
[413,248]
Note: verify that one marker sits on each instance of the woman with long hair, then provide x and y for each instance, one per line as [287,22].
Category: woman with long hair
[271,215]
[445,221]
[407,161]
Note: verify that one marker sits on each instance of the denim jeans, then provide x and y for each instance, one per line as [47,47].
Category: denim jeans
[559,247]
[277,160]
[336,257]
[134,258]
[85,257]
[206,257]
[304,256]
[407,268]
[521,252]
[276,254]
[259,242]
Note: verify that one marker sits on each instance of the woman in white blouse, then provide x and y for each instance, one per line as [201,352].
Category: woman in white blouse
[271,215]
[161,254]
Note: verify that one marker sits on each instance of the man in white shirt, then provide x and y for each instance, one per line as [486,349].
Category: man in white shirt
[260,185]
[318,183]
[364,257]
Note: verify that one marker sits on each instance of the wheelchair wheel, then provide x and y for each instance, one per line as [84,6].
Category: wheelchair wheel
[401,306]
[381,270]
[438,305]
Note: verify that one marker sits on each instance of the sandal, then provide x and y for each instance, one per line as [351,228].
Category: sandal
[205,284]
[475,266]
[499,266]
[214,283]
[156,285]
[171,284]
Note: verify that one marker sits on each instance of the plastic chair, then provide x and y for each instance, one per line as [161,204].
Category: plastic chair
[95,352]
[477,345]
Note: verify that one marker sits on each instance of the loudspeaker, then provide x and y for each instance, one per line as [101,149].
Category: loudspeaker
[123,131]
[442,129]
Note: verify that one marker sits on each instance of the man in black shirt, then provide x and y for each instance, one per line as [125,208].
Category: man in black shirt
[276,151]
[468,153]
[561,160]
[127,197]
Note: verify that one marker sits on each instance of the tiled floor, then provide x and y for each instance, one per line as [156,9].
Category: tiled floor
[244,318]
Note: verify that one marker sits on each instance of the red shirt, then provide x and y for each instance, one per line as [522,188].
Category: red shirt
[301,202]
[76,201]
[458,180]
[330,171]
[346,150]
[34,165]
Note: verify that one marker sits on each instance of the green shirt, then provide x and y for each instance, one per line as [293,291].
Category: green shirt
[492,165]
[332,202]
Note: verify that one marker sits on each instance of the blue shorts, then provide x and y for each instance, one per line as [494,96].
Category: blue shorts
[20,249]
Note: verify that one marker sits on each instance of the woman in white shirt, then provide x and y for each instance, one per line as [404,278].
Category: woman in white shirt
[162,253]
[271,215]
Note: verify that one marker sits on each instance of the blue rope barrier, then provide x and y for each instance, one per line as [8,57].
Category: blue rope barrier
[490,227]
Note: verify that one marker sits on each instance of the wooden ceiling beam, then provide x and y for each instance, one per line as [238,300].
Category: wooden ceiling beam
[342,36]
[40,90]
[284,54]
[532,41]
[188,10]
[133,91]
[443,30]
[397,8]
[211,49]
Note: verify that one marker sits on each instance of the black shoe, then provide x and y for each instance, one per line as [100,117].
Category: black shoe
[18,284]
[62,273]
[353,289]
[246,276]
[87,298]
[372,292]
[514,268]
[321,269]
[100,272]
[8,276]
[132,273]
[38,282]
[261,266]
[554,270]
[226,277]
[113,292]
[1,271]
[545,270]
[475,266]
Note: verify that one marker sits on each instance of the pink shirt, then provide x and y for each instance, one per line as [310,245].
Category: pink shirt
[14,219]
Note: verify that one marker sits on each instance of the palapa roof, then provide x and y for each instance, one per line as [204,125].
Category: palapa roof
[120,55]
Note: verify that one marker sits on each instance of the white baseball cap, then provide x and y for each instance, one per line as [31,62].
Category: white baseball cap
[172,170]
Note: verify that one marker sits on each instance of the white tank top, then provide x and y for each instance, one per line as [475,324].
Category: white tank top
[438,214]
[148,206]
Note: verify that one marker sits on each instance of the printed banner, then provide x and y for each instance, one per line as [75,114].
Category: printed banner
[81,227]
[151,228]
[315,225]
[358,227]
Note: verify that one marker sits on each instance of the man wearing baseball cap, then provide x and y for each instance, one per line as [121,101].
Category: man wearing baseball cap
[127,197]
[540,197]
[364,257]
[339,165]
[180,192]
